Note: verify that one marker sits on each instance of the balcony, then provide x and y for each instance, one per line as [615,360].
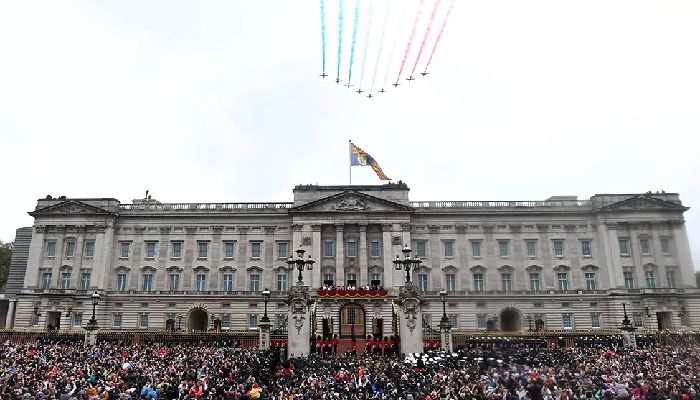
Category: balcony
[343,293]
[167,208]
[499,204]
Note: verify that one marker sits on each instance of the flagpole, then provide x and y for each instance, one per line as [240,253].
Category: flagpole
[350,155]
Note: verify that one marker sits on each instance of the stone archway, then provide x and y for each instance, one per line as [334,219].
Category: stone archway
[511,320]
[197,320]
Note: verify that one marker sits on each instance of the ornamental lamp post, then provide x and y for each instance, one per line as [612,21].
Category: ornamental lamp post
[266,298]
[92,324]
[628,328]
[179,321]
[299,263]
[407,262]
[264,325]
[445,325]
[529,321]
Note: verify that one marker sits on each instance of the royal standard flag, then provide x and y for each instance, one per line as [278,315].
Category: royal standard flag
[360,158]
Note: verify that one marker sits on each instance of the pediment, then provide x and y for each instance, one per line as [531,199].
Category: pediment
[70,207]
[352,201]
[644,202]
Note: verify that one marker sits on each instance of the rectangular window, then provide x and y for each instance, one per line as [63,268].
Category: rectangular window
[624,247]
[595,320]
[558,248]
[225,321]
[143,321]
[201,283]
[89,250]
[535,281]
[174,282]
[503,248]
[51,249]
[328,279]
[506,282]
[84,280]
[46,280]
[121,282]
[177,249]
[228,283]
[451,282]
[65,280]
[665,246]
[252,321]
[124,250]
[374,248]
[644,246]
[629,279]
[328,249]
[479,282]
[150,249]
[279,320]
[563,278]
[566,321]
[229,249]
[282,249]
[650,279]
[476,249]
[254,283]
[423,282]
[637,319]
[375,278]
[351,250]
[147,282]
[481,321]
[351,279]
[70,248]
[531,249]
[116,320]
[671,278]
[449,248]
[282,283]
[203,248]
[591,283]
[77,319]
[420,248]
[454,322]
[586,248]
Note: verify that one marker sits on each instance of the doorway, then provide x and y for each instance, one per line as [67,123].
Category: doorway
[53,320]
[510,320]
[664,320]
[352,321]
[197,320]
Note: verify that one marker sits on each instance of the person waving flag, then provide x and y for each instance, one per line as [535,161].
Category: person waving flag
[360,158]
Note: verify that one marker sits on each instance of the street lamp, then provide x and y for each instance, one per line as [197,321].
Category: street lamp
[445,321]
[407,262]
[628,327]
[529,321]
[92,324]
[266,298]
[179,321]
[299,263]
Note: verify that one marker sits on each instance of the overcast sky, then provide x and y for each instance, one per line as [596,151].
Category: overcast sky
[215,101]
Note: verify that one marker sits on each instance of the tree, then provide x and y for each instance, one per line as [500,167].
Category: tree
[5,256]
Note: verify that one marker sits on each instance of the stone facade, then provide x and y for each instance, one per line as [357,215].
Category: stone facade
[560,263]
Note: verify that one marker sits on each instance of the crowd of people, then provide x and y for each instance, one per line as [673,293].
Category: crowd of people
[221,370]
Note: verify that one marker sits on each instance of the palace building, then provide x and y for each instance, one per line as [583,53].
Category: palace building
[561,263]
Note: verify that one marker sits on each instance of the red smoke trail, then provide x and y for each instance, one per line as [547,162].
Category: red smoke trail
[425,37]
[437,40]
[410,40]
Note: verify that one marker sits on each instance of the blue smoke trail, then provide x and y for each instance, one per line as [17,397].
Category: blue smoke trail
[354,36]
[340,36]
[323,35]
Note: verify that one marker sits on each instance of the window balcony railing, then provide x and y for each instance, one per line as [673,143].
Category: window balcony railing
[348,293]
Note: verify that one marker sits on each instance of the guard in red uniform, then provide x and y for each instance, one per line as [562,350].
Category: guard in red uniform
[334,343]
[369,349]
[319,345]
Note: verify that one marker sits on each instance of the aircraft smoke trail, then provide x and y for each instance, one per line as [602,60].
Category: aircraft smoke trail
[381,44]
[437,40]
[410,40]
[355,22]
[364,53]
[323,36]
[425,37]
[399,28]
[340,36]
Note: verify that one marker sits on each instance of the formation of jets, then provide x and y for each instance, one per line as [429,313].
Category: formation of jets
[369,96]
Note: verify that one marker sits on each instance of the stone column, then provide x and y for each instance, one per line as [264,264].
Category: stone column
[339,255]
[446,336]
[34,261]
[264,325]
[316,246]
[681,246]
[102,274]
[90,338]
[410,319]
[387,257]
[10,318]
[299,324]
[364,256]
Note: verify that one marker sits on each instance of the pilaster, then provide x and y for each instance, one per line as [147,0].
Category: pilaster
[387,257]
[364,256]
[316,254]
[339,255]
[36,248]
